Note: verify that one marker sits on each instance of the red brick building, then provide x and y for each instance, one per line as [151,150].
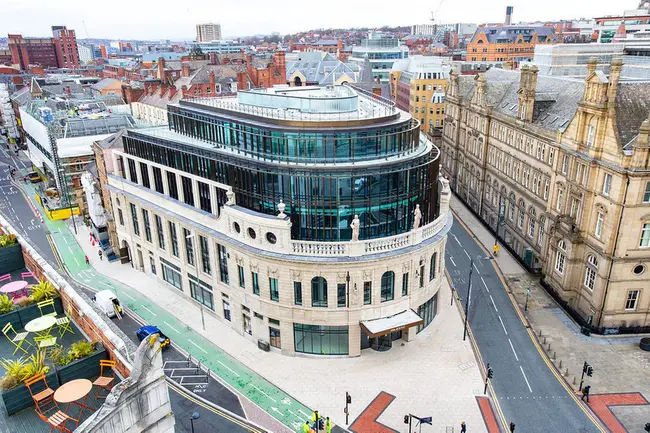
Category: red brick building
[67,52]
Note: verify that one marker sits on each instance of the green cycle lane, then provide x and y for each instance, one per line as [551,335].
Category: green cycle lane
[269,397]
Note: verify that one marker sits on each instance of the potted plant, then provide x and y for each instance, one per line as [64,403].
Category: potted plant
[6,304]
[11,254]
[8,312]
[42,291]
[15,394]
[80,361]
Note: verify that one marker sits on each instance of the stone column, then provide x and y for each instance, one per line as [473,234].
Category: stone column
[165,182]
[354,339]
[138,173]
[214,201]
[195,191]
[287,344]
[152,181]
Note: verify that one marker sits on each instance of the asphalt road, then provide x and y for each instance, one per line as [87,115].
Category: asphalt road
[528,392]
[15,208]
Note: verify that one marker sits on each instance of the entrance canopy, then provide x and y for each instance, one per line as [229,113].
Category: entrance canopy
[386,325]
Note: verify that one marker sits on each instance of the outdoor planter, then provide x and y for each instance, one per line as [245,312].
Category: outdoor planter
[11,258]
[84,368]
[19,398]
[13,317]
[19,317]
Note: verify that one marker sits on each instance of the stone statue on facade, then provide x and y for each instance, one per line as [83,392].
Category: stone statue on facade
[231,198]
[355,225]
[417,217]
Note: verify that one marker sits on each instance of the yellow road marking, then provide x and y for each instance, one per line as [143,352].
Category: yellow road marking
[530,333]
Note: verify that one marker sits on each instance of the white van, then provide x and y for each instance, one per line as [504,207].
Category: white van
[108,303]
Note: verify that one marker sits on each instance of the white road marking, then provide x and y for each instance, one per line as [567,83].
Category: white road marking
[468,256]
[476,268]
[457,241]
[65,240]
[303,413]
[76,261]
[171,327]
[452,261]
[21,225]
[513,349]
[495,308]
[128,296]
[199,347]
[486,287]
[525,378]
[274,401]
[157,315]
[504,326]
[229,369]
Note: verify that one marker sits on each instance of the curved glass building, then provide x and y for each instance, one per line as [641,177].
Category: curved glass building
[248,203]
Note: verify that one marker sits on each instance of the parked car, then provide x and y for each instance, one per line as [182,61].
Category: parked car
[108,303]
[148,330]
[34,177]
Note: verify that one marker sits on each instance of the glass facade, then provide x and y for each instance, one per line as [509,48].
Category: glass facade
[253,157]
[201,292]
[172,274]
[318,292]
[388,286]
[320,340]
[428,311]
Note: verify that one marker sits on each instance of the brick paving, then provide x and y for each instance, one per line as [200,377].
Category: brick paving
[603,404]
[367,421]
[488,415]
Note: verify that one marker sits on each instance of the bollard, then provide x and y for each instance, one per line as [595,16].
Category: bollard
[566,373]
[540,332]
[560,366]
[554,356]
[544,340]
[574,380]
[549,347]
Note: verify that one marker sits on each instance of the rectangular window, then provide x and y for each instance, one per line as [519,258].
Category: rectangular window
[421,276]
[134,218]
[646,194]
[174,239]
[144,174]
[565,164]
[171,274]
[223,264]
[297,292]
[188,190]
[256,283]
[152,263]
[274,337]
[590,278]
[173,186]
[273,286]
[432,267]
[189,246]
[607,184]
[226,310]
[120,216]
[132,171]
[645,236]
[160,232]
[258,316]
[591,135]
[320,339]
[204,197]
[147,225]
[599,225]
[240,272]
[367,292]
[205,255]
[340,292]
[405,284]
[201,292]
[632,300]
[157,180]
[558,206]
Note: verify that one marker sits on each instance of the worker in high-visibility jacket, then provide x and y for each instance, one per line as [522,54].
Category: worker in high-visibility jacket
[305,427]
[328,425]
[316,420]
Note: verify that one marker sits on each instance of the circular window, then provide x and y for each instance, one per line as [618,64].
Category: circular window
[236,227]
[639,269]
[252,233]
[271,238]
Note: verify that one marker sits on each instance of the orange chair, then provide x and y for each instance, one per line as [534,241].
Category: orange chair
[57,421]
[105,382]
[42,397]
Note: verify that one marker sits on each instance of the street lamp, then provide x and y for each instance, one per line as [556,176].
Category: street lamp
[194,249]
[194,417]
[469,293]
[347,288]
[526,304]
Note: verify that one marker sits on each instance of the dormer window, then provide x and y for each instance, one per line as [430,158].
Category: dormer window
[591,135]
[478,98]
[523,112]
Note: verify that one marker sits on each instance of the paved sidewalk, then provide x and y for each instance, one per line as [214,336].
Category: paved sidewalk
[619,365]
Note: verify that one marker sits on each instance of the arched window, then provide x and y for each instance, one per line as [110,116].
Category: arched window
[590,272]
[494,196]
[560,257]
[540,233]
[520,216]
[488,189]
[531,222]
[388,286]
[512,204]
[318,292]
[432,267]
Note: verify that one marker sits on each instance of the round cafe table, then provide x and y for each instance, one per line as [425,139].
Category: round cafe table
[41,325]
[14,287]
[70,392]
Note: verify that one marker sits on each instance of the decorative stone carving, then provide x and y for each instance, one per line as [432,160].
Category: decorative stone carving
[281,207]
[367,275]
[231,198]
[254,267]
[355,225]
[340,277]
[296,275]
[406,267]
[272,273]
[239,260]
[417,217]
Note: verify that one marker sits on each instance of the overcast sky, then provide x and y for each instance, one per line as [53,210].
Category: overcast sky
[175,19]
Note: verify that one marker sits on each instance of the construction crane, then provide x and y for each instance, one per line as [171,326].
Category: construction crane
[86,29]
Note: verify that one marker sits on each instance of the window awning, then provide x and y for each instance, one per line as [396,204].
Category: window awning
[394,323]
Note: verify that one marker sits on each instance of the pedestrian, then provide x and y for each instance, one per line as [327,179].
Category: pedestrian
[100,254]
[315,419]
[305,427]
[495,250]
[25,178]
[463,427]
[87,260]
[328,425]
[585,393]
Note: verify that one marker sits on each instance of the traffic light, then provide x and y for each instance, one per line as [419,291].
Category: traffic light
[584,367]
[490,373]
[590,370]
[348,399]
[512,427]
[406,419]
[647,427]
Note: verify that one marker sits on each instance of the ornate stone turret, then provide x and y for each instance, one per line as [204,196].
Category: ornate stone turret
[641,147]
[592,63]
[614,76]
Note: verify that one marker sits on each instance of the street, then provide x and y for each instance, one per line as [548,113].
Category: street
[528,392]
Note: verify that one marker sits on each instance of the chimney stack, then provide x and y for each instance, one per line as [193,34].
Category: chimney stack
[592,63]
[213,58]
[172,91]
[614,76]
[508,15]
[211,78]
[161,68]
[185,70]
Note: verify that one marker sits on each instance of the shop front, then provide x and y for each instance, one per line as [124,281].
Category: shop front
[379,334]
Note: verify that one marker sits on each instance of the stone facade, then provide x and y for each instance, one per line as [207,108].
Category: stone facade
[559,170]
